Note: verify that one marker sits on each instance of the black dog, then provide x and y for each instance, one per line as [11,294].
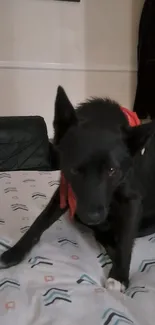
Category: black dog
[111,169]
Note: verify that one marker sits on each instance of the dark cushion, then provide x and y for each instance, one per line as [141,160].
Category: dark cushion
[24,144]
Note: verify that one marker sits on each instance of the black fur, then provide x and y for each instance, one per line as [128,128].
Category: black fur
[101,157]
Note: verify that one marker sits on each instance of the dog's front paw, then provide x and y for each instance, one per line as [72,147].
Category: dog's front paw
[112,284]
[2,264]
[9,258]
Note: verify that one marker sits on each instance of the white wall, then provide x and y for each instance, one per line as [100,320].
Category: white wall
[88,47]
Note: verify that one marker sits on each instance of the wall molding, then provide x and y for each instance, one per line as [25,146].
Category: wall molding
[28,65]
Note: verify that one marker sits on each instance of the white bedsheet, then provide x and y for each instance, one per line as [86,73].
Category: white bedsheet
[61,281]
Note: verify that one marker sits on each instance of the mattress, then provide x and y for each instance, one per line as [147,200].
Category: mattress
[61,281]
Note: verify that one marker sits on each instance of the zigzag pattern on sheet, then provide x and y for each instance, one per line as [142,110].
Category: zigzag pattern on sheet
[38,195]
[29,180]
[104,259]
[112,316]
[53,183]
[10,189]
[18,206]
[4,244]
[146,265]
[132,292]
[5,175]
[24,229]
[86,278]
[53,294]
[64,241]
[8,282]
[152,239]
[38,260]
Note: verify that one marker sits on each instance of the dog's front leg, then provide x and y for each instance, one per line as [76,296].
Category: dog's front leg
[128,224]
[48,216]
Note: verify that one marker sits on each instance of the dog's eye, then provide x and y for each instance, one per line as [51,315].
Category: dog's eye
[112,172]
[74,171]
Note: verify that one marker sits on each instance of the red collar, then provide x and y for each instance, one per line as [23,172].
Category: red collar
[66,193]
[67,196]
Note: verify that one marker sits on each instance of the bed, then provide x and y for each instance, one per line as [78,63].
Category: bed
[61,281]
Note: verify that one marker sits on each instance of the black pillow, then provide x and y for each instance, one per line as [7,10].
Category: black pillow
[24,144]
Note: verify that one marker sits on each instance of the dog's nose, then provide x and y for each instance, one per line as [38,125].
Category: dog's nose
[95,216]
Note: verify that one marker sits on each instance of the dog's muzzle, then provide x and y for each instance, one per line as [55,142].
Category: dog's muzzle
[93,218]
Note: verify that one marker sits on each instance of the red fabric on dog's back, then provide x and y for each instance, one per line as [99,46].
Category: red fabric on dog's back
[66,193]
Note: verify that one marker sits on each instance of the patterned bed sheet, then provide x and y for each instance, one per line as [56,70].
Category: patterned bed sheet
[61,281]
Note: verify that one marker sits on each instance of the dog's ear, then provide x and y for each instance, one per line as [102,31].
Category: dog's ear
[137,137]
[65,115]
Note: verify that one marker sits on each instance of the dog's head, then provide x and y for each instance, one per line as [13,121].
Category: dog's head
[93,159]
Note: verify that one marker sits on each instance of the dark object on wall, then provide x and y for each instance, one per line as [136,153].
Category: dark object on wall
[145,94]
